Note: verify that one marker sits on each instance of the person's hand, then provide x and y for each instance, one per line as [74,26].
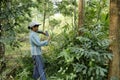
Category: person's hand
[46,33]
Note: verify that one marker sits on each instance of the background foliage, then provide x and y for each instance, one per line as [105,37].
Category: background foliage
[69,56]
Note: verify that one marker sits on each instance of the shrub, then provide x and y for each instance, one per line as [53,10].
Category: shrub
[83,57]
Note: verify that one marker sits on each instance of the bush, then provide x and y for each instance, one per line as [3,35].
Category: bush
[83,57]
[26,69]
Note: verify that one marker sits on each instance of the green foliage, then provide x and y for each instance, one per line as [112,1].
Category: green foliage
[66,7]
[25,71]
[97,11]
[54,22]
[13,13]
[70,56]
[84,57]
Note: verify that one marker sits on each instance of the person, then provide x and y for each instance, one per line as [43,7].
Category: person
[36,44]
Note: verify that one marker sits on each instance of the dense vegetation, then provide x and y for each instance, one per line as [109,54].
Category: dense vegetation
[69,56]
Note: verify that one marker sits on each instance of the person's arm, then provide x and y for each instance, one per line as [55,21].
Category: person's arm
[41,32]
[37,41]
[44,33]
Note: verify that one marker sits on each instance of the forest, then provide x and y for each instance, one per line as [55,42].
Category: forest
[84,39]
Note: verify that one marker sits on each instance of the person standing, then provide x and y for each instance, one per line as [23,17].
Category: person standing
[36,44]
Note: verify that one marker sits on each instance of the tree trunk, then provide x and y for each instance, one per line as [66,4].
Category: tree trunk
[74,17]
[2,53]
[2,45]
[114,71]
[44,15]
[80,14]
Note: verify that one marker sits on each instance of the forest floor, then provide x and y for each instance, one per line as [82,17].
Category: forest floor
[13,59]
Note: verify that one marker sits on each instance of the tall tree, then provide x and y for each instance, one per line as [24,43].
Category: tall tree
[2,52]
[80,14]
[114,71]
[11,15]
[44,13]
[2,46]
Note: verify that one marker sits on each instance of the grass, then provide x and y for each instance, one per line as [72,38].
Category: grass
[21,59]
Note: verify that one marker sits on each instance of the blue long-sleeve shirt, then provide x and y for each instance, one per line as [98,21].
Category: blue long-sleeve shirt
[36,43]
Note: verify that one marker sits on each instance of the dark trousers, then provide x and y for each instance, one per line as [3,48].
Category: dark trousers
[38,70]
